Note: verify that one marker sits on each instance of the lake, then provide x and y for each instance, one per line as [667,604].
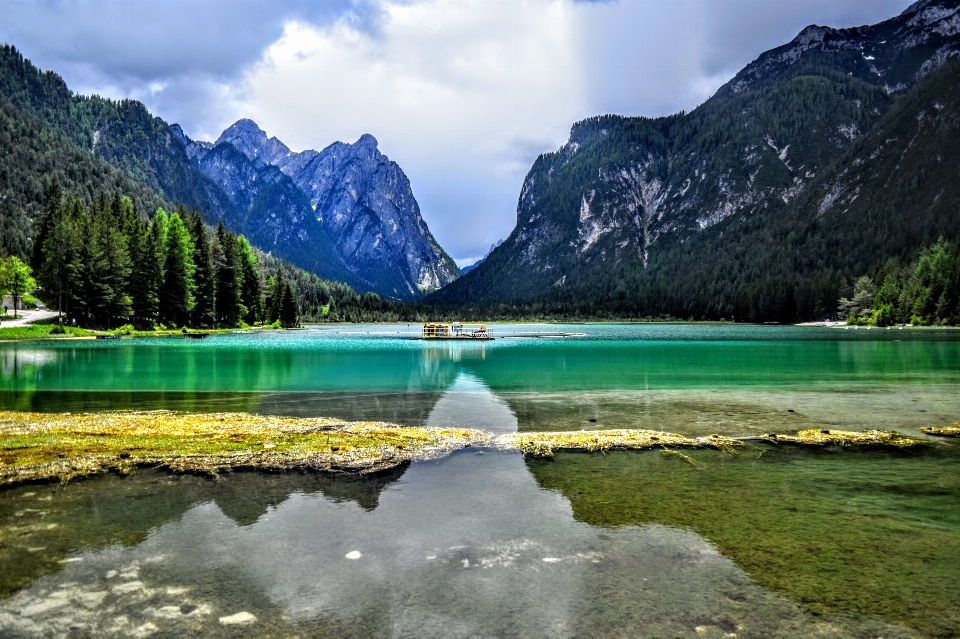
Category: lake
[766,542]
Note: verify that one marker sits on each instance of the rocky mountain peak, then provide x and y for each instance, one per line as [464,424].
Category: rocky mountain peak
[925,12]
[247,137]
[366,141]
[356,197]
[813,33]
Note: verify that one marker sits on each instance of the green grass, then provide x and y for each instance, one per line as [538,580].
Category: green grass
[40,331]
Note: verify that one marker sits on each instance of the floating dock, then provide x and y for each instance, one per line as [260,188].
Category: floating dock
[456,330]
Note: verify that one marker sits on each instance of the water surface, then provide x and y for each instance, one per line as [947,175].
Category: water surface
[766,542]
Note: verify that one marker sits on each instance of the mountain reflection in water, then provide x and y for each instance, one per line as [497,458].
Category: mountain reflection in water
[468,546]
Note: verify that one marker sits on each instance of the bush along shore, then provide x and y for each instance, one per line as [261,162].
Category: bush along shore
[42,446]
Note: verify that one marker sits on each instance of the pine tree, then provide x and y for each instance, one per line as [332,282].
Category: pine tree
[177,292]
[116,279]
[228,282]
[288,307]
[147,273]
[52,202]
[204,310]
[250,295]
[274,295]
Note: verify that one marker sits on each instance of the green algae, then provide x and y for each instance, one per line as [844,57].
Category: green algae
[39,446]
[844,438]
[863,532]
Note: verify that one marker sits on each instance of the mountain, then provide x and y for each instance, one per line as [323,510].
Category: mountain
[362,199]
[747,206]
[31,154]
[380,243]
[467,269]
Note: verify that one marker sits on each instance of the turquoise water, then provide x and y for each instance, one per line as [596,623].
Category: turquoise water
[766,542]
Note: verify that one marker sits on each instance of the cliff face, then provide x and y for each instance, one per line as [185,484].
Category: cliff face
[357,196]
[628,195]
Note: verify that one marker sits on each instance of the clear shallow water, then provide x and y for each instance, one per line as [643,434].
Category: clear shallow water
[768,542]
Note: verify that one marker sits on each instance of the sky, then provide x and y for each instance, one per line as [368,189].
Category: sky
[462,94]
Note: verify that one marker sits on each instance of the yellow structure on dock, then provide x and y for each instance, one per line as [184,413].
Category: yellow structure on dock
[456,330]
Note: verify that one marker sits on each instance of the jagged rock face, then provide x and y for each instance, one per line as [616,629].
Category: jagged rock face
[362,200]
[894,54]
[250,140]
[623,188]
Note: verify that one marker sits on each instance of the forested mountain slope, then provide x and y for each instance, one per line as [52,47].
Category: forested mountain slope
[249,194]
[361,199]
[761,204]
[33,155]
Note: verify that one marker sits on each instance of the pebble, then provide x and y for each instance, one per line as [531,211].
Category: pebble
[239,619]
[353,554]
[127,587]
[43,607]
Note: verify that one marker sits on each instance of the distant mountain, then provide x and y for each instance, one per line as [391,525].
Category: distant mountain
[363,200]
[467,269]
[749,205]
[379,243]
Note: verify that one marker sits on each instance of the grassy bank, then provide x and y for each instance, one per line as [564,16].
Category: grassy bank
[49,330]
[41,331]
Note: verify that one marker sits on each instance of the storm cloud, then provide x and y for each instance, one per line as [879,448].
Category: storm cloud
[463,94]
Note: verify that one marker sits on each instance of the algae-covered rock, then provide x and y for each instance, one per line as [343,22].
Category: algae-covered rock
[824,437]
[943,431]
[543,444]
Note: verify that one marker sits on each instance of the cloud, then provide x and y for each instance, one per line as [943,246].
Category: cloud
[463,94]
[180,58]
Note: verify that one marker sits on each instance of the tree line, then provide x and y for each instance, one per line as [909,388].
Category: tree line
[104,265]
[921,292]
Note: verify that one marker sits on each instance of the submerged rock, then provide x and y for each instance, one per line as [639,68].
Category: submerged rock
[239,619]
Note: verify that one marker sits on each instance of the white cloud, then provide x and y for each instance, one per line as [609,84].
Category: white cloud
[463,95]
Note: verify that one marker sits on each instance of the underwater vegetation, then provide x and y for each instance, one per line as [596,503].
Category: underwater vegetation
[866,531]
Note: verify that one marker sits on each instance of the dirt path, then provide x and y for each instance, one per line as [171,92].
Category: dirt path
[27,317]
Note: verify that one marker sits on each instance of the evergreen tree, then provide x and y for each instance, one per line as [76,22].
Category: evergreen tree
[147,273]
[288,307]
[177,292]
[162,221]
[116,279]
[250,295]
[275,294]
[52,201]
[228,307]
[204,310]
